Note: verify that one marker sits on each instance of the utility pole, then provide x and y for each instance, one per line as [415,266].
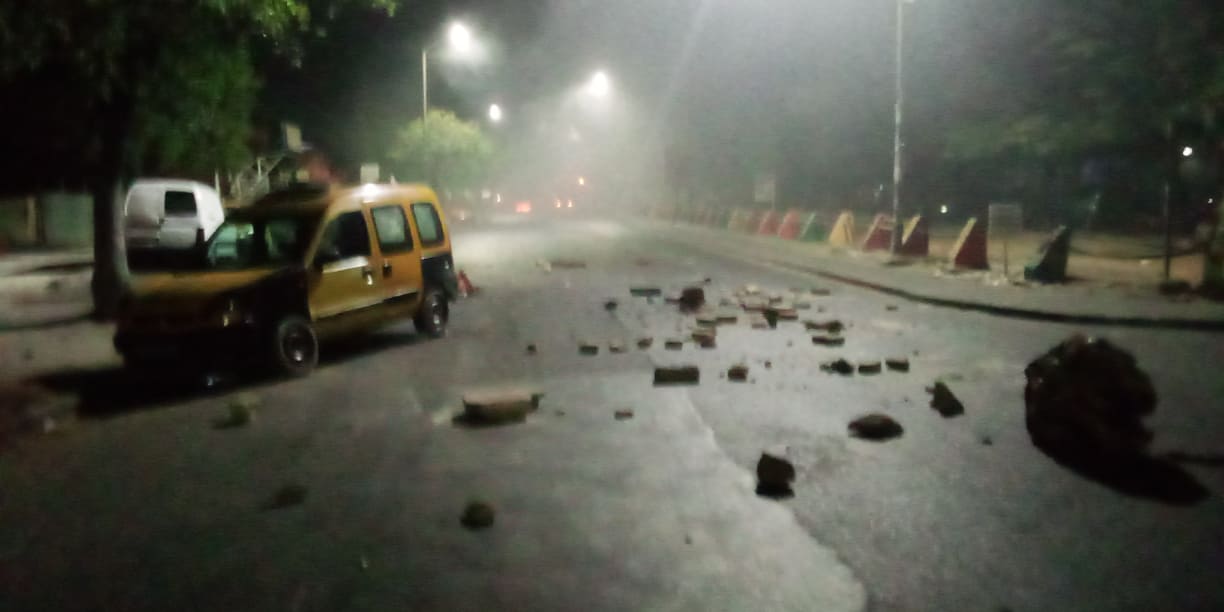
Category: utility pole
[898,117]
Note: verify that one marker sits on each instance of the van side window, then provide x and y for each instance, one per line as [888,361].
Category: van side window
[428,224]
[391,226]
[346,236]
[180,204]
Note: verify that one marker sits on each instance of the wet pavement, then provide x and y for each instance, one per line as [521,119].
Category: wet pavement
[146,505]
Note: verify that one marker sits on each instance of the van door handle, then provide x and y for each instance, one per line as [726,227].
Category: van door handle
[368,274]
[386,269]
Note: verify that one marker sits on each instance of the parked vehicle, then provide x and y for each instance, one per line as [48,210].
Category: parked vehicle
[294,269]
[170,214]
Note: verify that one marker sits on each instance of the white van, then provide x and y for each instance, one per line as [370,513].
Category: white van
[169,214]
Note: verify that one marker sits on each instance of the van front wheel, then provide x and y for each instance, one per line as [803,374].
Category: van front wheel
[295,347]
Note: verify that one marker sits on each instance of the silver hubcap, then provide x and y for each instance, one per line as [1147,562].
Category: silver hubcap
[297,345]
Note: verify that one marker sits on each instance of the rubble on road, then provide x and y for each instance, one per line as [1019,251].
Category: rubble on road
[707,319]
[727,317]
[759,322]
[738,373]
[531,349]
[839,366]
[775,473]
[241,412]
[832,326]
[869,367]
[587,347]
[610,305]
[1087,398]
[497,407]
[891,307]
[681,375]
[944,401]
[286,496]
[897,364]
[771,317]
[802,305]
[748,290]
[623,414]
[820,291]
[753,305]
[673,344]
[876,427]
[787,314]
[645,342]
[692,298]
[616,347]
[477,515]
[828,340]
[645,291]
[567,264]
[727,302]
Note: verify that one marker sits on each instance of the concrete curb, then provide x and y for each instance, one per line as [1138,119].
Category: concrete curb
[1182,323]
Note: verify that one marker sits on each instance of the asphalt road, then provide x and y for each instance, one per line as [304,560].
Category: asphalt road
[144,505]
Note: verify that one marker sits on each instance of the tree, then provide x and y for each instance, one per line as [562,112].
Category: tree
[443,150]
[115,55]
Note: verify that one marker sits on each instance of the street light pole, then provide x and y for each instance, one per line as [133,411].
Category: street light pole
[897,122]
[424,83]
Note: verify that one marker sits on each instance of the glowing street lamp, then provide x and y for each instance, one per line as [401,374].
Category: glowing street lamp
[495,113]
[599,86]
[461,41]
[582,181]
[1187,151]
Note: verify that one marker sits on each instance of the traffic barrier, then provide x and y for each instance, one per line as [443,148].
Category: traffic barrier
[1050,264]
[916,239]
[791,224]
[879,235]
[813,230]
[466,287]
[842,234]
[970,249]
[768,225]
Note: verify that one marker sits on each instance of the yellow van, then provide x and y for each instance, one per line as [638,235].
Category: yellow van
[297,267]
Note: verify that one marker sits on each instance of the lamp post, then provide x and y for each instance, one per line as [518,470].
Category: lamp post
[898,116]
[460,39]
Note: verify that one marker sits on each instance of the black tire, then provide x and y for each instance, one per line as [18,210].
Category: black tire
[295,346]
[434,313]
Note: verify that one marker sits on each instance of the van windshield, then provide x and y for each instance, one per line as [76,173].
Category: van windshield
[264,241]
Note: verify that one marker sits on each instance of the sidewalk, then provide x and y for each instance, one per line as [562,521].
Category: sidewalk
[1102,303]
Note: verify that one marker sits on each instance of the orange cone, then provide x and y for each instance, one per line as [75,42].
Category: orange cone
[466,287]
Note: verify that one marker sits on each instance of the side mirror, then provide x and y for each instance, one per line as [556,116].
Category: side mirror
[325,256]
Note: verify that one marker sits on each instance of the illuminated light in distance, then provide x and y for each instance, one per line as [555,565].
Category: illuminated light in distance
[943,210]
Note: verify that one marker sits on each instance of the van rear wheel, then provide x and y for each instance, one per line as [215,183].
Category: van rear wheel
[295,346]
[433,315]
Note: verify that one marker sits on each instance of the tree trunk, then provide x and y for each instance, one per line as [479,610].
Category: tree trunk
[111,276]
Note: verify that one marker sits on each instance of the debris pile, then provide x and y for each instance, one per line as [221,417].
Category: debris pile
[692,298]
[499,407]
[738,373]
[1087,397]
[681,375]
[775,473]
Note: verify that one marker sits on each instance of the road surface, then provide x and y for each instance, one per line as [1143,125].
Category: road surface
[144,505]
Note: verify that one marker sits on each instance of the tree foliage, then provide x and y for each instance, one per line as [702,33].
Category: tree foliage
[444,150]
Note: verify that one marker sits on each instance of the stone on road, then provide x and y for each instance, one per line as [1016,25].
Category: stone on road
[775,473]
[875,427]
[944,401]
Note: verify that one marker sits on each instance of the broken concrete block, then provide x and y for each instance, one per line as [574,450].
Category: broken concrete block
[493,407]
[477,515]
[875,426]
[1086,399]
[943,401]
[753,305]
[775,472]
[645,342]
[616,347]
[531,349]
[610,305]
[673,344]
[588,348]
[692,298]
[681,375]
[828,340]
[738,373]
[890,307]
[833,326]
[776,298]
[840,366]
[819,291]
[623,414]
[707,319]
[897,364]
[759,322]
[869,367]
[787,314]
[645,291]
